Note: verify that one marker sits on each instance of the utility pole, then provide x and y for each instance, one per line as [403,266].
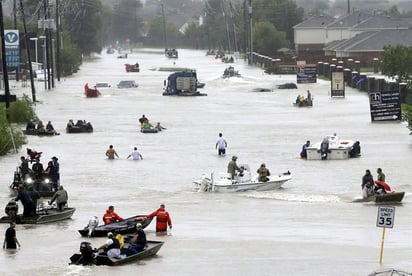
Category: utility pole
[7,98]
[26,40]
[15,27]
[348,6]
[164,25]
[57,41]
[245,30]
[251,32]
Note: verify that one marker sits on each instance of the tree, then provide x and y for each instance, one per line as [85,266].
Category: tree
[283,14]
[397,63]
[267,39]
[126,24]
[83,22]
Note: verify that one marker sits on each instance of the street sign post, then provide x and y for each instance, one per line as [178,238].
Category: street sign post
[385,219]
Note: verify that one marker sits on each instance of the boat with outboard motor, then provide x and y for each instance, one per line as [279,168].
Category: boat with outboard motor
[395,197]
[90,256]
[242,182]
[230,72]
[331,148]
[126,226]
[45,213]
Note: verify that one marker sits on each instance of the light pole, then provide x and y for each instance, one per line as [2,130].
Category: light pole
[35,47]
[44,61]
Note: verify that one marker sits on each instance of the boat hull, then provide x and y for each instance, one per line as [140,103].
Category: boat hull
[385,198]
[270,185]
[128,226]
[152,248]
[43,216]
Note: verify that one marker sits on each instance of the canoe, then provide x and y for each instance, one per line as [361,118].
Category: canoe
[46,215]
[385,198]
[152,248]
[127,226]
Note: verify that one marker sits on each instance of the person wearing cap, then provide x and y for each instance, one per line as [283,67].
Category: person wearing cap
[232,167]
[38,169]
[60,197]
[111,216]
[162,219]
[263,173]
[111,247]
[140,241]
[55,173]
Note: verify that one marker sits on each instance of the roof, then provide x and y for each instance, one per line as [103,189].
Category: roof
[350,20]
[317,21]
[373,41]
[383,22]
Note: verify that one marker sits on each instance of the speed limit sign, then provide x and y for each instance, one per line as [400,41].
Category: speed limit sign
[386,217]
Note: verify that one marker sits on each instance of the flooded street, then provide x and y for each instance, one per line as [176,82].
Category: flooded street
[309,227]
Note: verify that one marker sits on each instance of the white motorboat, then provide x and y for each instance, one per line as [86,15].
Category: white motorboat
[330,148]
[243,182]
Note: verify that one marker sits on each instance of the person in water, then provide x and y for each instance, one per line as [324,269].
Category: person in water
[162,219]
[303,153]
[135,154]
[221,145]
[111,153]
[356,150]
[10,239]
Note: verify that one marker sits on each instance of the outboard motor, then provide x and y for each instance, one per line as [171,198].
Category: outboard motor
[93,223]
[87,251]
[324,149]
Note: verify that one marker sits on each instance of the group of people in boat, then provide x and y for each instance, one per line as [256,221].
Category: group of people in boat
[372,187]
[302,101]
[232,168]
[355,151]
[145,124]
[80,124]
[40,127]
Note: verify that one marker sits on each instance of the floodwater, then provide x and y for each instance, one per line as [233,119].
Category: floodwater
[309,227]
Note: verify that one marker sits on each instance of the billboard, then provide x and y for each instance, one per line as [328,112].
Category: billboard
[385,106]
[337,82]
[11,43]
[306,73]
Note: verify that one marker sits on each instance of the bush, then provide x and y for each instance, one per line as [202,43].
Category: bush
[21,111]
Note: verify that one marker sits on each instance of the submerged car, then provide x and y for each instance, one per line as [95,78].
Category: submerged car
[127,84]
[102,85]
[289,85]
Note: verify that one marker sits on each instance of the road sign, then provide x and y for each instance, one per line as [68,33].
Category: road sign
[386,217]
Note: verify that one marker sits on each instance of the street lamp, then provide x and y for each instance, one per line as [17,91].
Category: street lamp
[35,46]
[44,61]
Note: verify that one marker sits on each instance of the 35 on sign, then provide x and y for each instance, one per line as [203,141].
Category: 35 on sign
[386,217]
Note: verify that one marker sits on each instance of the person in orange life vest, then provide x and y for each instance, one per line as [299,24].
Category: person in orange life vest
[111,216]
[162,219]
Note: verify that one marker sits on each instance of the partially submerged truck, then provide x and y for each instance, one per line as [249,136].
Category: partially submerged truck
[183,83]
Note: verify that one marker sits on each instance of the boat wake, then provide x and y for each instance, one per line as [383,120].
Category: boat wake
[294,197]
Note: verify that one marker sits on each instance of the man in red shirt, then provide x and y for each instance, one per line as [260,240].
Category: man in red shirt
[162,219]
[111,216]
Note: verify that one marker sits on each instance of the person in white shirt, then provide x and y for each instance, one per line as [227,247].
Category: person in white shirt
[135,155]
[221,145]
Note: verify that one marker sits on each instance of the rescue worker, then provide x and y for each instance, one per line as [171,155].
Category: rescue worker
[232,167]
[60,197]
[162,219]
[263,173]
[140,240]
[111,216]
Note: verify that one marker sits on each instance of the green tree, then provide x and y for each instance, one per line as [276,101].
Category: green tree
[126,24]
[82,20]
[397,63]
[156,32]
[267,39]
[283,14]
